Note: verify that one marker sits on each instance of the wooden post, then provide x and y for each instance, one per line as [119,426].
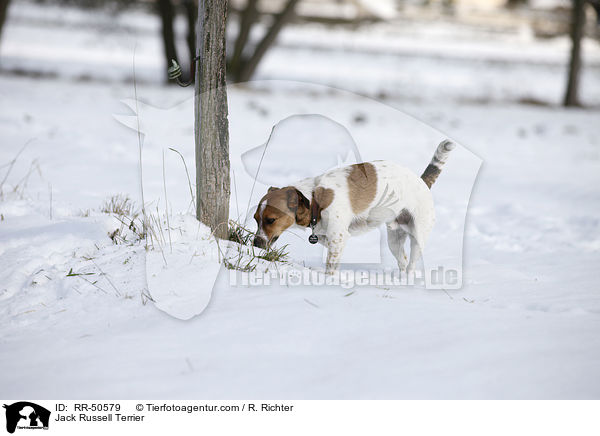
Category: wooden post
[577,28]
[211,123]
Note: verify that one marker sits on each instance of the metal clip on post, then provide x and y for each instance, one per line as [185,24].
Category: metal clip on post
[174,73]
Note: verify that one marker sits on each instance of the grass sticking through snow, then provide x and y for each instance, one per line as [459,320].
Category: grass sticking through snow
[123,209]
[247,256]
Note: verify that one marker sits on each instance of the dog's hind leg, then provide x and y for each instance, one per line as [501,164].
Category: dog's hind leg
[396,237]
[416,250]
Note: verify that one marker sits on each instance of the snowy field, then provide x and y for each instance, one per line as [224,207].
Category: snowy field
[73,323]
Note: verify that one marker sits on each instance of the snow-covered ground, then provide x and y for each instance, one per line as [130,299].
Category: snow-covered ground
[73,321]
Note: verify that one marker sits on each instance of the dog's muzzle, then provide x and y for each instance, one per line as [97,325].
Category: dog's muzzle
[259,242]
[262,242]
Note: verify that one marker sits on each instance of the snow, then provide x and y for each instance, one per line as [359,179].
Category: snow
[192,257]
[76,319]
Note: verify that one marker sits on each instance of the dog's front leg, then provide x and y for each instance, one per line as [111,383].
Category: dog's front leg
[336,241]
[323,240]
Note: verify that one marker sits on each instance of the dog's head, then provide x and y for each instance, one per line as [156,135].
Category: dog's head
[279,209]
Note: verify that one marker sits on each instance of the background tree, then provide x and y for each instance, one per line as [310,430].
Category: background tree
[242,68]
[211,124]
[242,64]
[167,15]
[168,11]
[247,18]
[191,14]
[577,29]
[3,13]
[515,3]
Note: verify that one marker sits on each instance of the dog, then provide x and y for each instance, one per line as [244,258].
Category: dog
[348,201]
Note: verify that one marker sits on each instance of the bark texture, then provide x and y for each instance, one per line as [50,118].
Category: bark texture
[211,123]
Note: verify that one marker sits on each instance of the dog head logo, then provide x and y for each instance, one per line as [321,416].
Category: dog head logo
[26,415]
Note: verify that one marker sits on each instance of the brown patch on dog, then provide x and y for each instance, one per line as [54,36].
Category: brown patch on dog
[362,186]
[322,198]
[404,217]
[282,208]
[430,175]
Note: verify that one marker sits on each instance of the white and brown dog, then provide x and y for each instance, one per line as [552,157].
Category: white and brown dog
[351,200]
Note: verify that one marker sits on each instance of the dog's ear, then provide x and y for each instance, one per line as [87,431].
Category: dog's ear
[292,199]
[302,208]
[302,200]
[272,188]
[296,200]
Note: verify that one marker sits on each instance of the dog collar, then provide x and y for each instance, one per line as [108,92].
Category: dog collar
[314,212]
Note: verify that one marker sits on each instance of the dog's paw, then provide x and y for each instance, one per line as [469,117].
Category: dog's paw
[331,272]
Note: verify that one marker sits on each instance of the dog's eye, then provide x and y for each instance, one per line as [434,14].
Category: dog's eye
[269,220]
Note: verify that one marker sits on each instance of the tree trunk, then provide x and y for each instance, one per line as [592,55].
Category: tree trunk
[167,14]
[3,14]
[247,18]
[249,67]
[577,27]
[211,124]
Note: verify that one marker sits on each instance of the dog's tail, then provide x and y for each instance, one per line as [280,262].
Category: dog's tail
[440,156]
